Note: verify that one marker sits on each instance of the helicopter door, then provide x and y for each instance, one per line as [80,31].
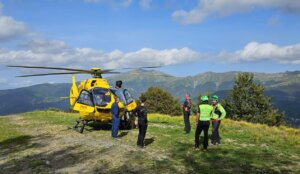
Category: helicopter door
[130,103]
[127,96]
[84,102]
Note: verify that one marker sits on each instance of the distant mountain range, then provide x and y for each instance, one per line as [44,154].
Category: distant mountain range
[284,88]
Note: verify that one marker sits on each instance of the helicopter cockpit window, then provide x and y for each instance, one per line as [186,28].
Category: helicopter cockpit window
[128,96]
[85,98]
[101,96]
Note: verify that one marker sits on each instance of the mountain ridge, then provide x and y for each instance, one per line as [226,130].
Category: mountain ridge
[283,87]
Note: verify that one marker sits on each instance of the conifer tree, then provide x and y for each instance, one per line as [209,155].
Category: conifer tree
[247,102]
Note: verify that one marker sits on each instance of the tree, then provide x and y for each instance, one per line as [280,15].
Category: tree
[161,101]
[247,102]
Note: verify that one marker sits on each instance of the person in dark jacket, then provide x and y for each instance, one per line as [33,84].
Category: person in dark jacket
[115,110]
[141,112]
[187,105]
[218,114]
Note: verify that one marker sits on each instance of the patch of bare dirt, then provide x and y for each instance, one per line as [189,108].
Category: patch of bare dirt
[56,149]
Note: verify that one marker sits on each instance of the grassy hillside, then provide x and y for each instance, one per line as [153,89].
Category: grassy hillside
[35,97]
[40,142]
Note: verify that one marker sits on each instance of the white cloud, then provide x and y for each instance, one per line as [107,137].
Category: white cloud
[46,46]
[57,53]
[113,3]
[206,8]
[152,57]
[145,3]
[9,27]
[255,51]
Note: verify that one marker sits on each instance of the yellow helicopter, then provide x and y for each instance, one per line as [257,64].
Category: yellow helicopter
[93,97]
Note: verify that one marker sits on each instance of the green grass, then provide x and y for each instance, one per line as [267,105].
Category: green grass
[246,147]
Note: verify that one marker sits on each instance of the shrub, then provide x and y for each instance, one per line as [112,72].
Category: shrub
[161,101]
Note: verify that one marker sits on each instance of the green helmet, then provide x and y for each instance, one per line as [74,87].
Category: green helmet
[204,98]
[215,97]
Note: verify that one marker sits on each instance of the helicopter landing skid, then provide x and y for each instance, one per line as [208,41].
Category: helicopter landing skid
[79,128]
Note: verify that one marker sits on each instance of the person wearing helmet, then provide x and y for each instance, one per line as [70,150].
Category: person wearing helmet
[187,105]
[219,114]
[203,117]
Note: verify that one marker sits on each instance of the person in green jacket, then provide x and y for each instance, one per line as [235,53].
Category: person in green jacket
[218,114]
[204,114]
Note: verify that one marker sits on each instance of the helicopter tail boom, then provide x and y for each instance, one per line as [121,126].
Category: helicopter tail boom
[73,92]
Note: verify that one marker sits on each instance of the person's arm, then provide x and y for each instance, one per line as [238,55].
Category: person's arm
[185,108]
[223,112]
[134,112]
[114,109]
[197,116]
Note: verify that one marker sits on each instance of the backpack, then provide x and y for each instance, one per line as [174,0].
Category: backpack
[218,112]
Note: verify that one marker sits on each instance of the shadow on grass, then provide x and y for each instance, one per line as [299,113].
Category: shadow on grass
[98,126]
[137,162]
[95,125]
[222,160]
[20,143]
[149,141]
[123,134]
[44,162]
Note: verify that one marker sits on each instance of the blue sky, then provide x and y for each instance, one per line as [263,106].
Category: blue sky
[186,36]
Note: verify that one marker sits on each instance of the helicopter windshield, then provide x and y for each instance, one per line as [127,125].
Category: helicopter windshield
[102,96]
[85,98]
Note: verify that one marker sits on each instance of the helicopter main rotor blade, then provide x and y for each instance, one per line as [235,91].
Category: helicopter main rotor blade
[110,72]
[146,67]
[63,73]
[163,75]
[75,69]
[47,74]
[46,67]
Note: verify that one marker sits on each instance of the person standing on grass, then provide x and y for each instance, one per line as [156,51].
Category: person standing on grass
[219,114]
[204,114]
[115,110]
[141,112]
[187,105]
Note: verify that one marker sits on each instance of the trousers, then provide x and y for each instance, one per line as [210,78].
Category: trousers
[142,125]
[187,125]
[215,137]
[202,125]
[115,126]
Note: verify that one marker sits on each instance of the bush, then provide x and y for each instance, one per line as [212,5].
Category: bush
[161,101]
